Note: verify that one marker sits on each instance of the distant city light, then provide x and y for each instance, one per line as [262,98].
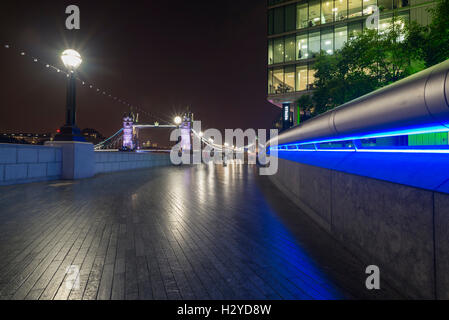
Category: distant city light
[178,120]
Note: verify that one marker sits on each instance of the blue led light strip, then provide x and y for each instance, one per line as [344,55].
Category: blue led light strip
[413,131]
[367,150]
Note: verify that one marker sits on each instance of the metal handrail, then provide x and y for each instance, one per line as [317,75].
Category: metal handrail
[416,104]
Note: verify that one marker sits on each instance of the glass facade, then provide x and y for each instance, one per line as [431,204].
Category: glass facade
[311,27]
[290,78]
[310,13]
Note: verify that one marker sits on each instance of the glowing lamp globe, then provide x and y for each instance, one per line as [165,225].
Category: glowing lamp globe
[71,59]
[178,120]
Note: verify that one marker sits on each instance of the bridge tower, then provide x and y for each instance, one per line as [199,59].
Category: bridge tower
[186,133]
[128,131]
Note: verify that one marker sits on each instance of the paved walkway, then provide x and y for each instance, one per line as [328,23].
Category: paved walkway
[203,232]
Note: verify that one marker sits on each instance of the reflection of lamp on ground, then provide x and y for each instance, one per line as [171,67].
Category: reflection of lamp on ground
[70,132]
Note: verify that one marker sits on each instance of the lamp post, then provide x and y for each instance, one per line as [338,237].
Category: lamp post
[69,131]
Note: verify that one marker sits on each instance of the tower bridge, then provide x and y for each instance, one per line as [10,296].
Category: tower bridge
[127,138]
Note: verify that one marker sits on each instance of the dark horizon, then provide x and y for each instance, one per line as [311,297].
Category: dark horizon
[159,56]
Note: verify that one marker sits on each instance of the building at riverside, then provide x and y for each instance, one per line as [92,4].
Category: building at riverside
[299,30]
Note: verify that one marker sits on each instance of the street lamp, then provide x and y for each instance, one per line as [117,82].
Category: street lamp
[201,134]
[71,59]
[178,120]
[70,132]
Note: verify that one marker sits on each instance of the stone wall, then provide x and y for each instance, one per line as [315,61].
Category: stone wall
[400,228]
[110,161]
[27,163]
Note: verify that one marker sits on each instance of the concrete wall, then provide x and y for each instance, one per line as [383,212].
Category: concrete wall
[25,163]
[402,229]
[106,161]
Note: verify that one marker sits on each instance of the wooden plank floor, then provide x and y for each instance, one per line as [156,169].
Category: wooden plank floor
[203,232]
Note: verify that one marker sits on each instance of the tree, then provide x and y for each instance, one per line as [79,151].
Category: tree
[373,59]
[305,103]
[368,61]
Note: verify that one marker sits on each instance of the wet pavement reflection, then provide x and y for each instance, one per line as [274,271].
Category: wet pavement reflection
[196,232]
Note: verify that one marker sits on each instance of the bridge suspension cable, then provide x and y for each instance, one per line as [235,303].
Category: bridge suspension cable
[109,141]
[107,95]
[220,148]
[95,89]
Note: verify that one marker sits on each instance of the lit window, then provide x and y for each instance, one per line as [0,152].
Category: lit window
[289,79]
[302,51]
[279,50]
[290,49]
[340,10]
[314,13]
[327,41]
[301,78]
[355,8]
[341,36]
[301,16]
[327,7]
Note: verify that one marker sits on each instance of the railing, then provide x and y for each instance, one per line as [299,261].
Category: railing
[414,105]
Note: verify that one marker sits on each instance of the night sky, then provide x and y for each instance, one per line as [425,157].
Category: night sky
[159,55]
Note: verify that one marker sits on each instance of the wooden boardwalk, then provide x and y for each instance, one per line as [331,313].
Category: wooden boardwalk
[202,232]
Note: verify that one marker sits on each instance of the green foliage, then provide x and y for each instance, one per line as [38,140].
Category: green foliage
[373,59]
[369,61]
[306,103]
